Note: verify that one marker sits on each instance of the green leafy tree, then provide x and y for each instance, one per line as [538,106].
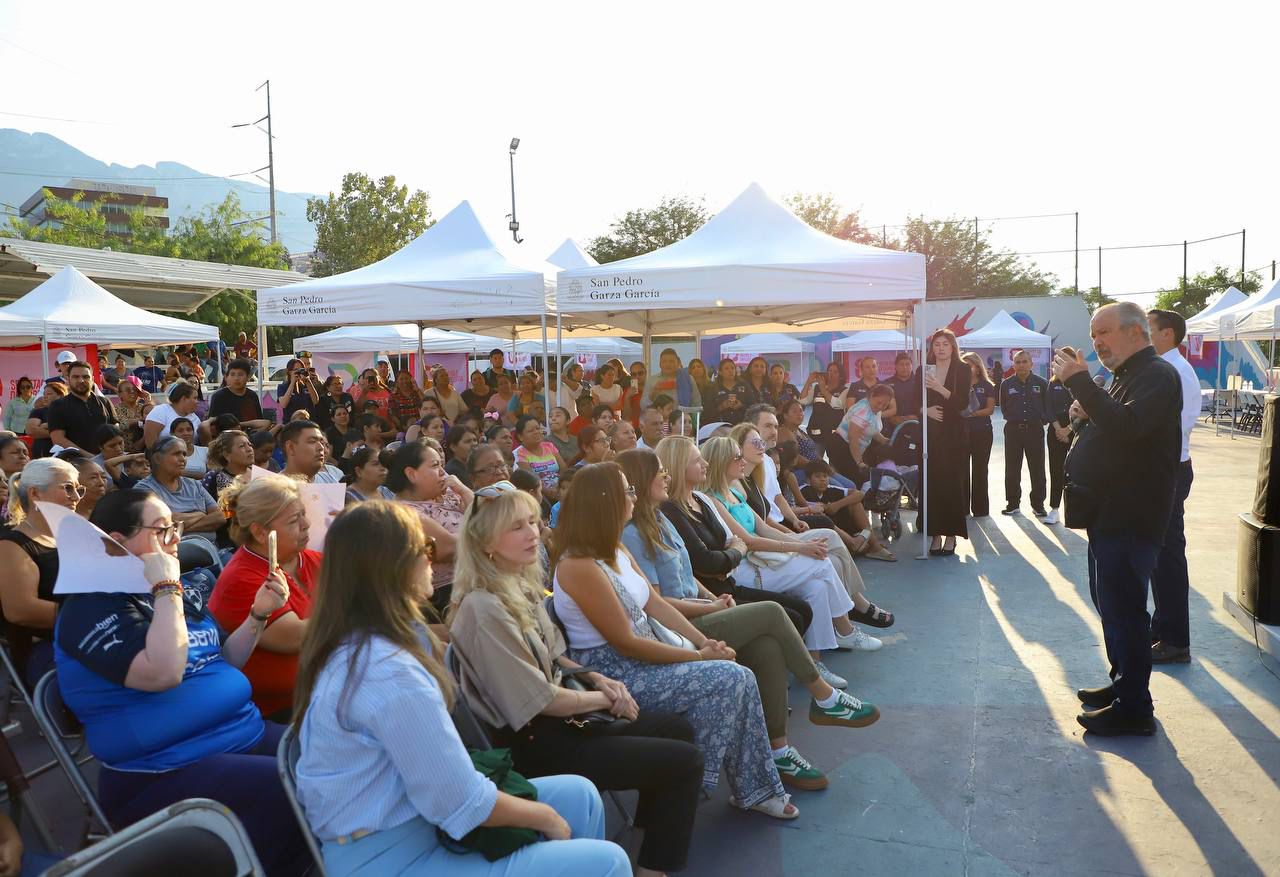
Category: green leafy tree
[643,231]
[75,222]
[1202,287]
[367,221]
[1092,297]
[960,264]
[823,213]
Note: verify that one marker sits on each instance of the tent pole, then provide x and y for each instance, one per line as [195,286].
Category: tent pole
[560,359]
[923,513]
[262,359]
[546,382]
[44,356]
[1216,384]
[647,348]
[422,361]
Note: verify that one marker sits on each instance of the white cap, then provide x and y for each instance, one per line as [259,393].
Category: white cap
[707,428]
[66,356]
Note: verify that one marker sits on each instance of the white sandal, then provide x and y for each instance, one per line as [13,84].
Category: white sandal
[779,807]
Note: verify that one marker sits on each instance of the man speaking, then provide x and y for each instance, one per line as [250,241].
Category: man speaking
[1121,476]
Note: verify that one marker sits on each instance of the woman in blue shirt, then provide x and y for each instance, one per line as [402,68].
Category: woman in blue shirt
[764,638]
[158,688]
[382,767]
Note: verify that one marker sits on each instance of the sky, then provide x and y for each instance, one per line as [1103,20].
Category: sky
[1155,122]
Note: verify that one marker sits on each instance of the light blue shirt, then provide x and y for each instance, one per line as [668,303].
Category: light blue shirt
[670,570]
[380,749]
[189,497]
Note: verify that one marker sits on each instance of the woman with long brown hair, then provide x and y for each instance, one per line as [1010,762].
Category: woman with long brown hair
[383,772]
[947,382]
[593,446]
[513,664]
[609,612]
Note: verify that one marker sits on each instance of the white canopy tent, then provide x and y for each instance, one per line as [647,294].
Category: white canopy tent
[600,346]
[1003,331]
[754,262]
[1259,319]
[69,308]
[767,342]
[871,340]
[1219,324]
[1228,298]
[570,255]
[399,338]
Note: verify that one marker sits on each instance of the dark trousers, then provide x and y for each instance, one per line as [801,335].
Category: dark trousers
[1169,582]
[246,782]
[979,462]
[1120,567]
[1023,439]
[1056,452]
[655,754]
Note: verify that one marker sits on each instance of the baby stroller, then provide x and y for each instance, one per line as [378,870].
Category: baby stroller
[883,498]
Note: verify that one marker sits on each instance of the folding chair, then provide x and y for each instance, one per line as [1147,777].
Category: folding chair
[287,766]
[59,725]
[194,838]
[195,552]
[17,784]
[473,732]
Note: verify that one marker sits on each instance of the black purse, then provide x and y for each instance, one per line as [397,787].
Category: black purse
[574,680]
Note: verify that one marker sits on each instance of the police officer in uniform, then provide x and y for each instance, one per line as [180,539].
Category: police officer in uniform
[1024,402]
[1057,440]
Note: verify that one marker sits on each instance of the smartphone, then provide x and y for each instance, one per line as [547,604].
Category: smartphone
[930,371]
[271,552]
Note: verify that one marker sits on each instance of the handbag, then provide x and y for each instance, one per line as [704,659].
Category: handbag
[669,637]
[768,559]
[495,843]
[596,719]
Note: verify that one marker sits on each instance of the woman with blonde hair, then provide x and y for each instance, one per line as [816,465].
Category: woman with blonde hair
[383,775]
[256,509]
[617,622]
[780,564]
[514,665]
[761,634]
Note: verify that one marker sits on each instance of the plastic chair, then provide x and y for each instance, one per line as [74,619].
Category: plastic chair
[195,838]
[59,725]
[196,552]
[287,766]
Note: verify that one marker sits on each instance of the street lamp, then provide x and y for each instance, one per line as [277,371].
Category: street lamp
[514,224]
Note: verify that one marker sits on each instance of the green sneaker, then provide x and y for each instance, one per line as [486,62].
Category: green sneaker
[847,711]
[798,773]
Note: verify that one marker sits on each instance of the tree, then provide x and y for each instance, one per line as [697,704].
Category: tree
[1092,297]
[823,213]
[961,264]
[643,231]
[1202,287]
[366,222]
[74,222]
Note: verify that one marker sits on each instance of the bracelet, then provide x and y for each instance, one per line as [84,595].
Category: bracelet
[259,618]
[165,588]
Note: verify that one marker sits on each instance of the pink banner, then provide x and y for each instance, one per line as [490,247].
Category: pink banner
[19,362]
[455,363]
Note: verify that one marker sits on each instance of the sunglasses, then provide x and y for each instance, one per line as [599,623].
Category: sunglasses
[168,535]
[497,489]
[757,442]
[76,491]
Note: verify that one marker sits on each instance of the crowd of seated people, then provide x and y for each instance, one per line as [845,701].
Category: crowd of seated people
[625,616]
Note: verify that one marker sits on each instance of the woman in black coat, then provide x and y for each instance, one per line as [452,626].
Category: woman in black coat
[947,386]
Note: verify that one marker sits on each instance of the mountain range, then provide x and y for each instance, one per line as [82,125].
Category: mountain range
[30,161]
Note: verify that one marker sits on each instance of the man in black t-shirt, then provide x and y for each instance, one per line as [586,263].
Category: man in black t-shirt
[906,394]
[74,419]
[237,399]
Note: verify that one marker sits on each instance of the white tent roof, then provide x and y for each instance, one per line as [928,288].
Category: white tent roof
[768,342]
[1228,298]
[871,340]
[1211,323]
[603,346]
[1254,319]
[69,308]
[1004,331]
[398,338]
[754,262]
[453,274]
[570,255]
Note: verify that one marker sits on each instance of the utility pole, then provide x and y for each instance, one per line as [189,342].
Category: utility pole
[1242,232]
[1184,271]
[975,254]
[1099,273]
[271,160]
[514,225]
[1077,281]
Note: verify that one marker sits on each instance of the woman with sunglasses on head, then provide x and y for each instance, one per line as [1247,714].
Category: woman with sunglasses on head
[513,663]
[418,480]
[761,634]
[255,509]
[18,409]
[29,558]
[608,609]
[131,411]
[790,565]
[383,776]
[157,685]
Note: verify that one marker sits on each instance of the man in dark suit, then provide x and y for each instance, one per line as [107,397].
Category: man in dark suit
[1122,473]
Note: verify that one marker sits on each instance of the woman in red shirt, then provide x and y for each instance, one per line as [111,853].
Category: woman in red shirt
[256,509]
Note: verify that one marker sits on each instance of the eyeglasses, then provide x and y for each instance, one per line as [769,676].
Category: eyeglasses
[429,549]
[631,491]
[495,490]
[737,458]
[168,535]
[76,491]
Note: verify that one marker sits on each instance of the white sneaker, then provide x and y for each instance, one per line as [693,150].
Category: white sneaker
[1052,517]
[830,678]
[857,641]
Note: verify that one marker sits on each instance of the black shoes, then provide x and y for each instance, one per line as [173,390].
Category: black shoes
[1106,722]
[1039,512]
[1163,653]
[1097,698]
[1010,510]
